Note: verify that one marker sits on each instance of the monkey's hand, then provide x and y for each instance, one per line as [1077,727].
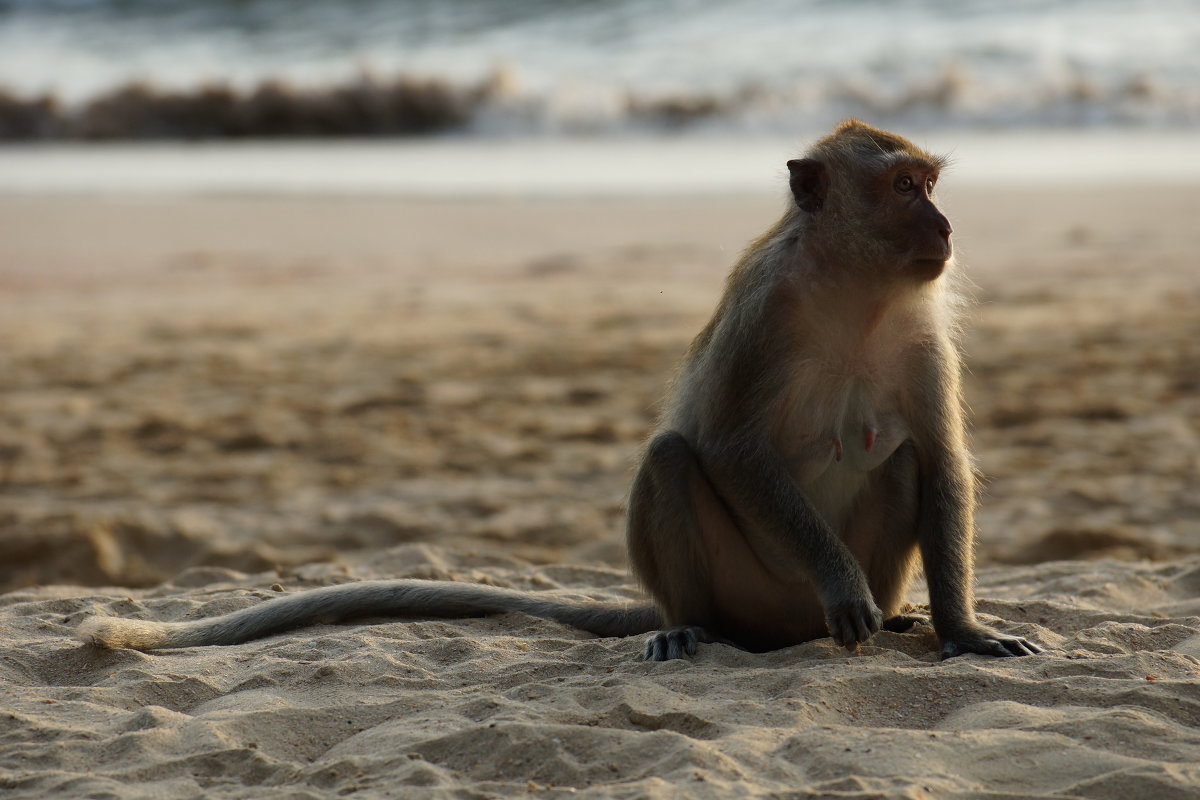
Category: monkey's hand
[978,639]
[853,619]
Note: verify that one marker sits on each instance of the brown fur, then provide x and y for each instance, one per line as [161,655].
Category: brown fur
[814,441]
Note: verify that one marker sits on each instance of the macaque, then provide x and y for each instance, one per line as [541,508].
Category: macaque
[814,442]
[812,449]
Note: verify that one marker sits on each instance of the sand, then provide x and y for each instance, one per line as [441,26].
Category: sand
[205,398]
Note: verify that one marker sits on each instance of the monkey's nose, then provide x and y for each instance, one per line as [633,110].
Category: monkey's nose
[944,228]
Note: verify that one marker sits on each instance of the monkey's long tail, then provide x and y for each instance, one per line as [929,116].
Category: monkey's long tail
[398,598]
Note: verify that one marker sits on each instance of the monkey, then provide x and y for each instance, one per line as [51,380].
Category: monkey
[811,450]
[813,447]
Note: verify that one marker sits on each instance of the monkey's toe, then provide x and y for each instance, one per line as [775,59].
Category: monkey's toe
[903,623]
[990,644]
[1019,647]
[679,642]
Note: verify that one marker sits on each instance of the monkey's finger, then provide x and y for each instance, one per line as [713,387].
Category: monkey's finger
[838,630]
[847,629]
[862,626]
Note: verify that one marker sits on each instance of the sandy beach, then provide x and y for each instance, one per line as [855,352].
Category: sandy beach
[207,400]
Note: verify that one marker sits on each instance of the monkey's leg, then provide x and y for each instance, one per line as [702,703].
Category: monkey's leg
[691,556]
[669,506]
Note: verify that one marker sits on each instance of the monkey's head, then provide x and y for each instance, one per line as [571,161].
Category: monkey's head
[868,196]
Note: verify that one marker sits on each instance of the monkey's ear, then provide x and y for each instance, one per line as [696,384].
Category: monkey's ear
[809,182]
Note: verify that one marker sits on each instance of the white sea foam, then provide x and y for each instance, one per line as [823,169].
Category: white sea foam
[599,68]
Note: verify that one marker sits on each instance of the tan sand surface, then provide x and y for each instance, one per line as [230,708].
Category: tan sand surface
[203,398]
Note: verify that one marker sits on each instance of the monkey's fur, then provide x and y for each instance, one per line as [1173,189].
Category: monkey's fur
[812,446]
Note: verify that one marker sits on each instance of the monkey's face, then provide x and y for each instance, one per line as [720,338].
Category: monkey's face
[875,211]
[910,221]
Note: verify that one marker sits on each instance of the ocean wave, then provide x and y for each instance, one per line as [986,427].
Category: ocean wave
[400,107]
[369,106]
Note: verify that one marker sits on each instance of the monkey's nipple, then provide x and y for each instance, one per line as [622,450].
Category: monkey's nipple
[837,448]
[869,434]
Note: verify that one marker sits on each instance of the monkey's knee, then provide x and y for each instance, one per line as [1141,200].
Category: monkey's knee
[659,499]
[670,452]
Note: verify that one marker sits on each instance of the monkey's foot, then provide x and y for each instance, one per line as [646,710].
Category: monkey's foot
[987,642]
[903,623]
[678,642]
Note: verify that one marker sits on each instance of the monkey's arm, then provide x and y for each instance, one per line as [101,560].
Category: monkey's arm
[786,535]
[946,527]
[399,598]
[747,392]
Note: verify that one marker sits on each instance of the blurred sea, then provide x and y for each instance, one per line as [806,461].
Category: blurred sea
[502,69]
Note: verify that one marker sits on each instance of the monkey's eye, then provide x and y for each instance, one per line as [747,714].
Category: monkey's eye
[904,184]
[929,183]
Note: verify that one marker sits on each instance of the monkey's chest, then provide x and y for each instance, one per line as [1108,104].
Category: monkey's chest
[864,442]
[835,461]
[834,443]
